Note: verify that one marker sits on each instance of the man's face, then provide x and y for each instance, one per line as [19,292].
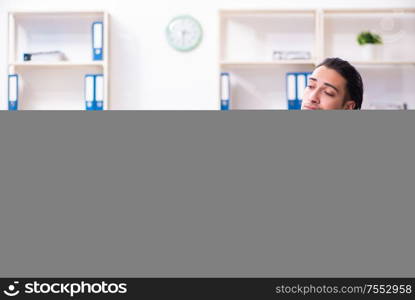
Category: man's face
[326,90]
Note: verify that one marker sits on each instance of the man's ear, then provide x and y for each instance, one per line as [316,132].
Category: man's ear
[349,105]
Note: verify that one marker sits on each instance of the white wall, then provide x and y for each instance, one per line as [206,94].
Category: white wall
[146,73]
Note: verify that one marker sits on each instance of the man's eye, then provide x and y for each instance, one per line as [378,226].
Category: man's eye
[310,86]
[330,95]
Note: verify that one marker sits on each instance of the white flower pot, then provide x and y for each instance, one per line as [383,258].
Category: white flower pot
[371,52]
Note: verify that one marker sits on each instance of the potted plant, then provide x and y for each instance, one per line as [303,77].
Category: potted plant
[371,45]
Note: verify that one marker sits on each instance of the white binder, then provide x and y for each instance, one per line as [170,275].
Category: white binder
[89,91]
[301,85]
[13,91]
[225,85]
[98,40]
[99,92]
[291,87]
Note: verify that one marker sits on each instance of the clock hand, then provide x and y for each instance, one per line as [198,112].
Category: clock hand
[183,32]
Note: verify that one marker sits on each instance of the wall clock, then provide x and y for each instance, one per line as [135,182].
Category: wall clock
[184,33]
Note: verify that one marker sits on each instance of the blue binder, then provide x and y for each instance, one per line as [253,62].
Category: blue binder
[225,85]
[296,84]
[98,41]
[13,91]
[99,92]
[89,92]
[94,92]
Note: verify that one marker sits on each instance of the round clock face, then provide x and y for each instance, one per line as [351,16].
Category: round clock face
[184,33]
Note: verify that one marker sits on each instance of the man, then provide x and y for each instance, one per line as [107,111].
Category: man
[334,85]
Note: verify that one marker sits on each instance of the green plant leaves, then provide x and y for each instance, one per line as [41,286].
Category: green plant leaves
[366,37]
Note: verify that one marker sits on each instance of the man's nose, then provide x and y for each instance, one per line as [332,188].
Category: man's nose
[315,96]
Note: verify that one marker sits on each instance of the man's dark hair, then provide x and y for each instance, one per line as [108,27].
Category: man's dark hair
[354,86]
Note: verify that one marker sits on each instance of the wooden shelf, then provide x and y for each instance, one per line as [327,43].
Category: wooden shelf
[75,13]
[265,64]
[370,11]
[57,64]
[380,63]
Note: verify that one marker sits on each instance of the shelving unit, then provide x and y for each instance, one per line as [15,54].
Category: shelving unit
[55,64]
[397,28]
[56,85]
[264,64]
[248,37]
